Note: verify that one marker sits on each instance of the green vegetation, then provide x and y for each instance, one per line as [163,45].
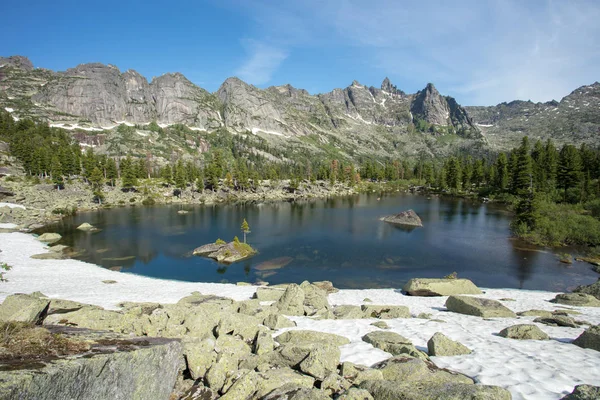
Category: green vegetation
[220,242]
[20,340]
[244,249]
[3,268]
[245,229]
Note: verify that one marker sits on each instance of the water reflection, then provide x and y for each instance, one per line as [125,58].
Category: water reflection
[337,239]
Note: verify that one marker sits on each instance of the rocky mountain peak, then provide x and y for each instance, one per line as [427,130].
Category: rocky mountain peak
[388,87]
[431,107]
[20,62]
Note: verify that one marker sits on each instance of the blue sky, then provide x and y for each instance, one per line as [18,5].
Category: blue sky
[480,51]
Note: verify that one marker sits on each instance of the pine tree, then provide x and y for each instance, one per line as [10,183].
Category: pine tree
[128,173]
[229,180]
[569,169]
[523,174]
[245,229]
[97,180]
[111,171]
[180,176]
[501,172]
[453,173]
[57,173]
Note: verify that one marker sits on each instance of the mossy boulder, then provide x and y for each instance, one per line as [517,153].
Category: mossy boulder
[385,312]
[49,238]
[441,345]
[557,320]
[393,343]
[584,392]
[479,307]
[304,336]
[576,299]
[524,332]
[593,289]
[23,308]
[392,390]
[440,287]
[408,369]
[589,339]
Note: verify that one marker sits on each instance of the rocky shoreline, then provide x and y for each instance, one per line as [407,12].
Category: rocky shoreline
[309,341]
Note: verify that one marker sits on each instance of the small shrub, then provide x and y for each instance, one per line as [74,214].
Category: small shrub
[148,201]
[220,242]
[66,211]
[132,200]
[4,267]
[236,240]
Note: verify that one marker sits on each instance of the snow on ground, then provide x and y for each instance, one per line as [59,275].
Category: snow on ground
[485,125]
[529,369]
[195,128]
[9,109]
[256,130]
[75,126]
[6,225]
[11,205]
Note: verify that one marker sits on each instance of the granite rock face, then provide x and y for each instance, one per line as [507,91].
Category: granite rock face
[430,106]
[121,367]
[439,287]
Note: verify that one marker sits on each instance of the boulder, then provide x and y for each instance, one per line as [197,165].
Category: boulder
[303,336]
[49,237]
[479,307]
[385,312]
[576,299]
[441,345]
[407,369]
[225,366]
[557,320]
[321,361]
[48,256]
[114,367]
[589,339]
[524,332]
[314,298]
[381,325]
[334,384]
[58,248]
[232,252]
[408,218]
[207,249]
[90,318]
[327,286]
[593,289]
[393,343]
[199,356]
[535,313]
[244,326]
[583,392]
[392,390]
[356,394]
[348,312]
[243,387]
[439,287]
[292,301]
[23,308]
[86,227]
[266,293]
[264,342]
[276,378]
[291,391]
[277,321]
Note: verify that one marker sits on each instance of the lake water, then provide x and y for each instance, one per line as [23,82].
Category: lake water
[339,239]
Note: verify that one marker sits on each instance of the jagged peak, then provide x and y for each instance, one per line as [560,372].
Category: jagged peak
[17,61]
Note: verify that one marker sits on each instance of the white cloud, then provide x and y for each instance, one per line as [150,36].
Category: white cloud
[482,52]
[263,60]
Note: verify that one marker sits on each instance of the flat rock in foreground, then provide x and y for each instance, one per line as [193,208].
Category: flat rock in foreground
[583,392]
[478,307]
[116,367]
[589,339]
[407,218]
[439,287]
[524,332]
[576,299]
[388,390]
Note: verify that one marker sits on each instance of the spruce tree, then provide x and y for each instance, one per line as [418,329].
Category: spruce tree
[129,174]
[523,174]
[453,173]
[501,181]
[180,176]
[569,169]
[111,171]
[57,173]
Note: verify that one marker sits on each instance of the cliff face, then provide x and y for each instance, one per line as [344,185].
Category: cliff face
[355,120]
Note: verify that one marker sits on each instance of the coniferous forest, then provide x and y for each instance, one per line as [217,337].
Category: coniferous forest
[554,192]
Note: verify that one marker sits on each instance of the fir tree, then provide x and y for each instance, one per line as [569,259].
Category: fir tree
[129,174]
[569,169]
[57,173]
[523,174]
[111,171]
[245,229]
[501,181]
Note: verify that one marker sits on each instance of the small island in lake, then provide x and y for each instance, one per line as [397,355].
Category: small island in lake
[226,252]
[408,218]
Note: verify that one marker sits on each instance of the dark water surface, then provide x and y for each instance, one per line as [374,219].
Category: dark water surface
[338,239]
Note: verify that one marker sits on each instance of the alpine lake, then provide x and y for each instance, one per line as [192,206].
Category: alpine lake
[337,239]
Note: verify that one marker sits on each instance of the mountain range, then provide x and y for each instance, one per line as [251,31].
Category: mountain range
[357,121]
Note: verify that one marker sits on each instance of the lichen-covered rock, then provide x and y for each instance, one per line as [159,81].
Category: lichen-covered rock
[264,342]
[589,339]
[292,301]
[440,287]
[304,336]
[327,286]
[393,343]
[49,238]
[200,355]
[292,391]
[356,394]
[334,384]
[276,378]
[225,365]
[479,307]
[244,326]
[576,299]
[348,312]
[87,227]
[207,249]
[381,325]
[593,289]
[441,345]
[584,392]
[314,298]
[385,312]
[408,218]
[116,367]
[266,293]
[392,390]
[535,313]
[557,320]
[524,332]
[23,308]
[321,361]
[277,321]
[408,369]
